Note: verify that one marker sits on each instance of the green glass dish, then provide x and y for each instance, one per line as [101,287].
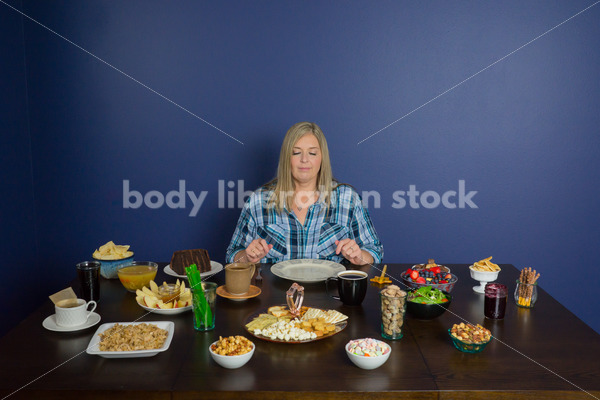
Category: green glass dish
[467,347]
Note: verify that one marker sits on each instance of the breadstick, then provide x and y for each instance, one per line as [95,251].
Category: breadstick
[527,278]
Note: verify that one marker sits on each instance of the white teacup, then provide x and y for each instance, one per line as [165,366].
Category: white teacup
[73,312]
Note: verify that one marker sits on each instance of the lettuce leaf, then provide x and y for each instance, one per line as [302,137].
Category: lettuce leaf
[427,295]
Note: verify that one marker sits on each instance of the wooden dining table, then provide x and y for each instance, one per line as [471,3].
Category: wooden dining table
[542,352]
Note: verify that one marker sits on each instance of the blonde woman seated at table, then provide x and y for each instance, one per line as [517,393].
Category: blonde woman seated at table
[304,212]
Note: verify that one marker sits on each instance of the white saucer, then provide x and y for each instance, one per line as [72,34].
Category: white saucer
[50,324]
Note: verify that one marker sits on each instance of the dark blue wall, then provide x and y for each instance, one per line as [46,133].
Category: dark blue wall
[18,268]
[522,133]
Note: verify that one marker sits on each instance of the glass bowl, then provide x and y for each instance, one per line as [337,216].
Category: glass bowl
[446,287]
[137,274]
[525,294]
[467,347]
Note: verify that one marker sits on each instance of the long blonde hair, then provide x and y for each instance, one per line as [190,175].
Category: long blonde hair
[283,186]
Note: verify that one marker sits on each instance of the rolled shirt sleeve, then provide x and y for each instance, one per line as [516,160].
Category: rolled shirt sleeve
[244,233]
[363,231]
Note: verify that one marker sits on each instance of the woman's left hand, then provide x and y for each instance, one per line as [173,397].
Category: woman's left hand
[351,251]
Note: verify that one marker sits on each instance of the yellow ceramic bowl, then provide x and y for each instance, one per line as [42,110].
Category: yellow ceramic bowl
[137,274]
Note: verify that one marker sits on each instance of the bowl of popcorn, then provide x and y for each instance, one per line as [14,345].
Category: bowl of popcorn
[368,353]
[232,352]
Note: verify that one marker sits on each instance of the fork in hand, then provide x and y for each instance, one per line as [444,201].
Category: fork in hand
[258,278]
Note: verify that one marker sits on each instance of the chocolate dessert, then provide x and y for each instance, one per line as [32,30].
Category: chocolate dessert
[184,258]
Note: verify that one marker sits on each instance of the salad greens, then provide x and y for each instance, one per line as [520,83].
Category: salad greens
[427,295]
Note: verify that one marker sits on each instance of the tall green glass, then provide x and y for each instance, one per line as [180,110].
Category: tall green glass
[204,300]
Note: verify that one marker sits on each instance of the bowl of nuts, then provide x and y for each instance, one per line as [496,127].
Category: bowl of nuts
[232,352]
[469,338]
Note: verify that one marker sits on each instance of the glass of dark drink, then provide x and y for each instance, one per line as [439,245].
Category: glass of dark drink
[88,272]
[495,300]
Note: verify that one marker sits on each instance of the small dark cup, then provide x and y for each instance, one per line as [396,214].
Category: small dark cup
[352,287]
[88,272]
[495,300]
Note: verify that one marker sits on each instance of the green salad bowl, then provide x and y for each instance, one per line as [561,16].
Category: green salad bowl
[428,311]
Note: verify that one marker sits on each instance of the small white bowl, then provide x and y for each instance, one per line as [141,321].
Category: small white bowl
[483,277]
[231,362]
[368,362]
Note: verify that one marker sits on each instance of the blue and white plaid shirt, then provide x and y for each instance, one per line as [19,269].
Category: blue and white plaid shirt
[345,218]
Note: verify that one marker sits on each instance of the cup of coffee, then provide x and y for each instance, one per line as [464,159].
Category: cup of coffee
[352,286]
[73,312]
[238,277]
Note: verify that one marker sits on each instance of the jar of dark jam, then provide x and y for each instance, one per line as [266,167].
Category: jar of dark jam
[495,300]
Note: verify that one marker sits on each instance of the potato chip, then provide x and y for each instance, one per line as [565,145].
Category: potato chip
[111,251]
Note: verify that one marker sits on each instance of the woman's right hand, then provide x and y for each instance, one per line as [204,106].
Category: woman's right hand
[256,251]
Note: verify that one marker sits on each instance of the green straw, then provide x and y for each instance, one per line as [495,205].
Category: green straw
[199,296]
[193,278]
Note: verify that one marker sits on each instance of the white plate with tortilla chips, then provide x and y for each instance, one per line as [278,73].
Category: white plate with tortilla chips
[306,270]
[215,267]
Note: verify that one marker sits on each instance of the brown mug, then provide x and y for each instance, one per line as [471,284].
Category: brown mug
[238,277]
